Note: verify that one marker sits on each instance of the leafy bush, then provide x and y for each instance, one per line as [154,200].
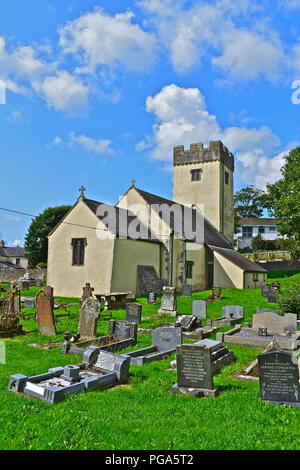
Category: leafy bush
[42,265]
[289,300]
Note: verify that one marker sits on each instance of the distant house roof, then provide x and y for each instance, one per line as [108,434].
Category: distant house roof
[113,223]
[257,221]
[238,259]
[12,251]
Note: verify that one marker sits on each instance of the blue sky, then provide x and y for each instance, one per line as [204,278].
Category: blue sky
[98,93]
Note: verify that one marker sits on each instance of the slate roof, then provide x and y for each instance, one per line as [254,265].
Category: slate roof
[238,259]
[113,223]
[254,221]
[12,251]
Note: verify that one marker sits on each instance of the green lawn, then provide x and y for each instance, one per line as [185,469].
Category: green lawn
[142,414]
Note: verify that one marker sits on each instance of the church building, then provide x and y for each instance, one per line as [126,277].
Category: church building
[185,240]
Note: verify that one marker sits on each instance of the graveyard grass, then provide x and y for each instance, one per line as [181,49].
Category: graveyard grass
[142,414]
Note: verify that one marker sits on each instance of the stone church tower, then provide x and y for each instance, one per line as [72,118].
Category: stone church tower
[203,177]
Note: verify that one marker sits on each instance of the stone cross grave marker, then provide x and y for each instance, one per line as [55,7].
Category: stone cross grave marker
[88,319]
[279,378]
[44,311]
[199,308]
[133,313]
[87,292]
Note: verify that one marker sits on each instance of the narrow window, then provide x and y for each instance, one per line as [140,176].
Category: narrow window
[261,229]
[255,277]
[226,177]
[78,245]
[247,232]
[17,261]
[196,174]
[189,269]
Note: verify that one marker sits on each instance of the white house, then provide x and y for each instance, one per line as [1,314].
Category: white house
[251,227]
[12,256]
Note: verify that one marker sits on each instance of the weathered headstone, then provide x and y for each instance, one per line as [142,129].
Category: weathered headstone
[233,311]
[199,308]
[25,285]
[265,289]
[87,293]
[166,338]
[29,303]
[133,313]
[151,298]
[217,293]
[38,282]
[168,302]
[186,290]
[44,312]
[88,319]
[272,297]
[275,324]
[122,330]
[188,322]
[276,286]
[279,378]
[147,280]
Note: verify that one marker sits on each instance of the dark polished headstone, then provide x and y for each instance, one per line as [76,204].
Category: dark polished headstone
[194,366]
[279,378]
[272,297]
[265,289]
[151,298]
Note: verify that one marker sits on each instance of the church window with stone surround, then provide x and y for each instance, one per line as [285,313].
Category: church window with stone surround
[189,269]
[196,174]
[78,246]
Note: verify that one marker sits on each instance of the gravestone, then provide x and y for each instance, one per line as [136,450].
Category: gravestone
[25,285]
[88,319]
[38,282]
[14,299]
[168,302]
[133,313]
[233,311]
[199,308]
[195,370]
[44,311]
[166,338]
[276,286]
[275,324]
[272,297]
[147,280]
[188,322]
[151,298]
[29,303]
[265,289]
[87,293]
[122,329]
[279,378]
[217,293]
[186,290]
[262,310]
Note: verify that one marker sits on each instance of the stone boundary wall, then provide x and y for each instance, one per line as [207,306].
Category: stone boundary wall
[8,274]
[284,265]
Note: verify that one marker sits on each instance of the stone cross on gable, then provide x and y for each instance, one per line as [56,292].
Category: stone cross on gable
[81,190]
[133,181]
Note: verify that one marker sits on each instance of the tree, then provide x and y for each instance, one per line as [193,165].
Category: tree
[36,241]
[283,198]
[249,202]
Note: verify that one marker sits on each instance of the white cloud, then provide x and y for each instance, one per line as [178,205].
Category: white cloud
[102,39]
[211,30]
[12,218]
[182,119]
[16,117]
[63,91]
[99,146]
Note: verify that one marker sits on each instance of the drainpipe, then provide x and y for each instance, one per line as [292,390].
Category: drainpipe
[172,255]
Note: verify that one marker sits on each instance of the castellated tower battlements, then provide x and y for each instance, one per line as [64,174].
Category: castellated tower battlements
[198,153]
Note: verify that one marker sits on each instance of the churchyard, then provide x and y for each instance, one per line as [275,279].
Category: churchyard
[141,414]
